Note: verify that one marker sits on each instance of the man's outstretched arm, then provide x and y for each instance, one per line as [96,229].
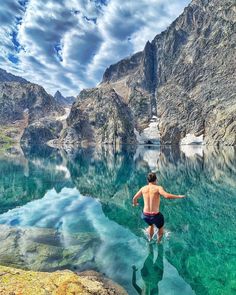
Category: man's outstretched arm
[168,195]
[135,198]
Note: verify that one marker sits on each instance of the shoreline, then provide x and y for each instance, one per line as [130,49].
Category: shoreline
[62,282]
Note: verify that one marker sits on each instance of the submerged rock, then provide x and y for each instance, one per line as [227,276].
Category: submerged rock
[43,249]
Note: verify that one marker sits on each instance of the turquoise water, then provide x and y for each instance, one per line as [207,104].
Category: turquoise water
[61,210]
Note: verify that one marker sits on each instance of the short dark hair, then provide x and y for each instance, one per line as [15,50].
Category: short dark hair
[151,177]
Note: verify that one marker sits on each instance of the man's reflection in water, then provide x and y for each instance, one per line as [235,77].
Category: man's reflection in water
[152,272]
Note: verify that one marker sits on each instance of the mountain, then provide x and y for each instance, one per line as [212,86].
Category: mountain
[8,77]
[27,112]
[99,116]
[65,101]
[180,89]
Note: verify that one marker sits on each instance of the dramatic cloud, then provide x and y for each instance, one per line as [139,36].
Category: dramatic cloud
[67,44]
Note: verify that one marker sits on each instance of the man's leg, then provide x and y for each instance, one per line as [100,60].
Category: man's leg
[160,234]
[151,230]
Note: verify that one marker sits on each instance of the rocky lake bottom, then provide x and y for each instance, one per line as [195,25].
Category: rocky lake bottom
[73,210]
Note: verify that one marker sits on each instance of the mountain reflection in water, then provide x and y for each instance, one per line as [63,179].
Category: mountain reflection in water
[73,210]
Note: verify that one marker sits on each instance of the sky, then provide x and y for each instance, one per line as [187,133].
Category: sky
[66,45]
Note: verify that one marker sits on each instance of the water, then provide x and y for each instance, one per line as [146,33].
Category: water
[73,211]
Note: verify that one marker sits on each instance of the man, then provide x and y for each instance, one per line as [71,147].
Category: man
[151,196]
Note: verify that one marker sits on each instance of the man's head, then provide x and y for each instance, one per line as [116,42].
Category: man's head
[151,177]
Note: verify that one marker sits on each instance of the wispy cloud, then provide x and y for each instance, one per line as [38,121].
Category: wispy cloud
[67,44]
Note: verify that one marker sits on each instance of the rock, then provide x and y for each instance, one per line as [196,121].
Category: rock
[17,99]
[65,101]
[25,109]
[99,116]
[43,249]
[185,77]
[17,281]
[126,66]
[40,132]
[8,77]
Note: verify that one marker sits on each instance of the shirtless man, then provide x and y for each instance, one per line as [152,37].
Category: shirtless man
[151,214]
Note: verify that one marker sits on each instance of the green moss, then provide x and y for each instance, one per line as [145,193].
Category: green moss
[4,139]
[5,142]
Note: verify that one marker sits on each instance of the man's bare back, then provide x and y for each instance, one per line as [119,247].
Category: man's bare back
[151,197]
[151,212]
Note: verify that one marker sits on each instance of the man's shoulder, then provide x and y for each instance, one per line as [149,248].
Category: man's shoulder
[157,187]
[154,187]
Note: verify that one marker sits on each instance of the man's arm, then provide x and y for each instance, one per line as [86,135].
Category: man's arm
[135,198]
[168,195]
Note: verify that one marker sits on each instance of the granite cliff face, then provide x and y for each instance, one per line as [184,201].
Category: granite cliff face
[183,82]
[27,112]
[17,99]
[99,116]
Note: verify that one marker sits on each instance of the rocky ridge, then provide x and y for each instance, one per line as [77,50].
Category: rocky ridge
[8,77]
[27,112]
[183,81]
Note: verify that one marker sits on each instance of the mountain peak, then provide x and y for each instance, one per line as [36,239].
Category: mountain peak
[63,100]
[8,77]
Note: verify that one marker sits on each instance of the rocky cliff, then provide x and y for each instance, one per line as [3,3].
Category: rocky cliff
[27,112]
[99,116]
[183,82]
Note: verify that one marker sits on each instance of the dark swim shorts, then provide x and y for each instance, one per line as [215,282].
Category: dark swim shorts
[156,218]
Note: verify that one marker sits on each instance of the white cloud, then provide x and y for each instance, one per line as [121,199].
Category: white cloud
[67,44]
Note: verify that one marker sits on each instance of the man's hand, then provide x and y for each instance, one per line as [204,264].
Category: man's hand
[135,204]
[182,196]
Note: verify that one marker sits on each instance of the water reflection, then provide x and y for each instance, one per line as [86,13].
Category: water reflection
[29,177]
[104,232]
[151,272]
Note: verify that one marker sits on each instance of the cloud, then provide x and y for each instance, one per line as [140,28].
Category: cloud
[68,44]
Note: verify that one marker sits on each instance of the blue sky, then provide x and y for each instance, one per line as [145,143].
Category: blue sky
[67,44]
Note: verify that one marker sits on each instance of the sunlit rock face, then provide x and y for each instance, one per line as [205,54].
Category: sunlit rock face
[17,98]
[185,77]
[17,281]
[99,116]
[25,106]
